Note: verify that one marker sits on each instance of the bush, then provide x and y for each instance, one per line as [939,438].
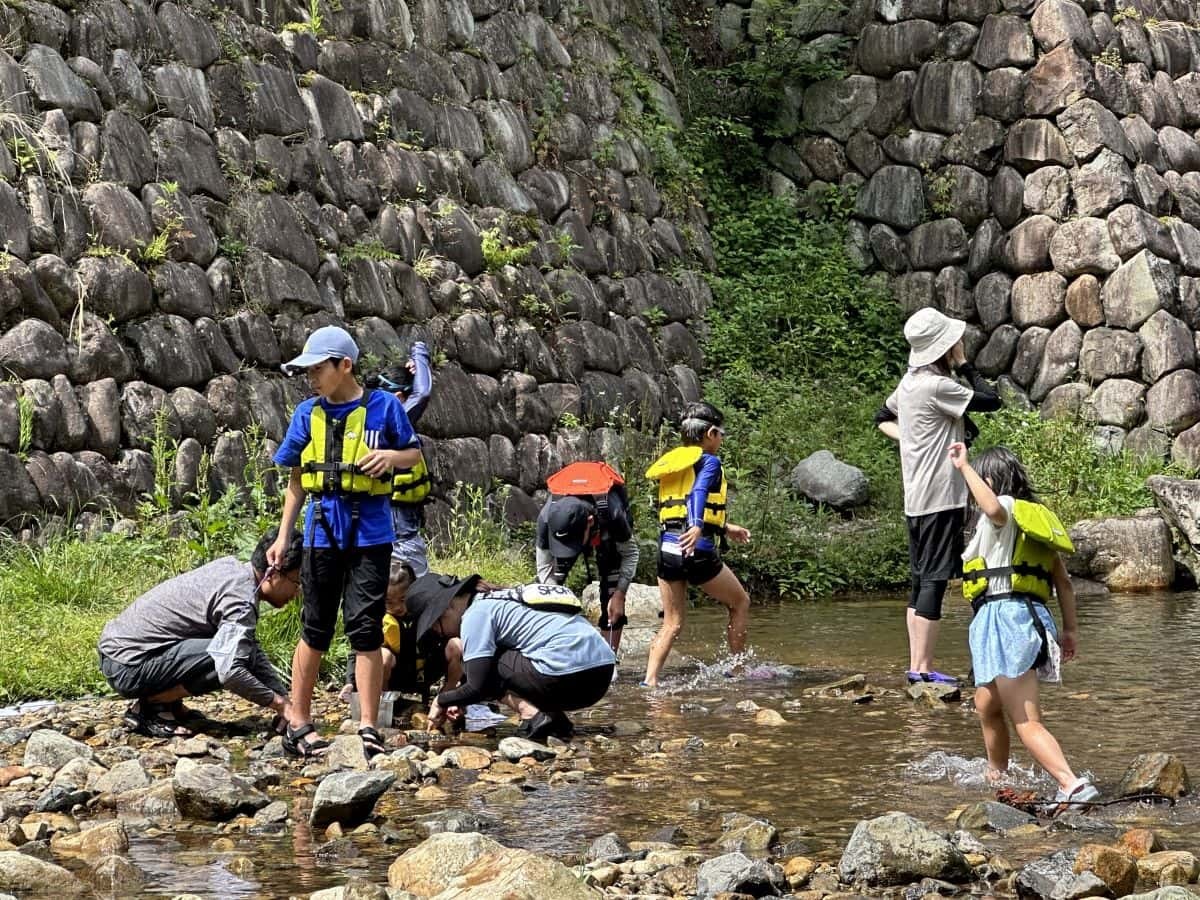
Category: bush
[1069,474]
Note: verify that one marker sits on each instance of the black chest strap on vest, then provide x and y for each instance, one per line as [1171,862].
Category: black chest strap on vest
[979,602]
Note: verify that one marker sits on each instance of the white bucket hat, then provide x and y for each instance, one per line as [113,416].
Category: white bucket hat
[930,334]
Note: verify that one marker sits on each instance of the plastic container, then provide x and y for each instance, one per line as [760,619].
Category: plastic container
[387,702]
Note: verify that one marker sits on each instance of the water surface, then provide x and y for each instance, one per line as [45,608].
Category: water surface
[1132,690]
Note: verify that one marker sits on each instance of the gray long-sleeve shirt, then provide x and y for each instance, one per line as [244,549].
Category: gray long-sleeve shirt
[217,602]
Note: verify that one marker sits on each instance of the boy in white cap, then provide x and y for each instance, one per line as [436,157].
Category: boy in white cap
[342,446]
[926,414]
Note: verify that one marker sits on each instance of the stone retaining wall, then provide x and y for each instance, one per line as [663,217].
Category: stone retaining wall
[188,189]
[1029,167]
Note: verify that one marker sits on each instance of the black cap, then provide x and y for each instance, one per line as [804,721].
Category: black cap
[566,523]
[429,596]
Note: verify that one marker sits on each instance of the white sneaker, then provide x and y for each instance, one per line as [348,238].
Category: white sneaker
[1081,791]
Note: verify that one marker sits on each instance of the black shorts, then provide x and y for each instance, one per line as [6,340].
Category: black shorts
[935,545]
[549,693]
[186,663]
[355,580]
[699,568]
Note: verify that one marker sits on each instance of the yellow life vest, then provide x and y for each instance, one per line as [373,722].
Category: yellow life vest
[329,463]
[411,486]
[675,472]
[1040,538]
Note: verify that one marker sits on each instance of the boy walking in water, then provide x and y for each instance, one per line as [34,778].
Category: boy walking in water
[342,446]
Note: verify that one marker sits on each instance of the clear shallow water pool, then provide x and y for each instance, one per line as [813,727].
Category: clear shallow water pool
[1133,689]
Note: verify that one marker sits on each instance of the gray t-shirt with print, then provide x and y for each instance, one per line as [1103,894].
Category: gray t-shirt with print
[930,407]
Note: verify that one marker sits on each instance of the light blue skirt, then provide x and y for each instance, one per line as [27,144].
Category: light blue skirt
[1004,641]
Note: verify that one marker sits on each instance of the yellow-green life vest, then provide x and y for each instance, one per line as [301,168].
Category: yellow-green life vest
[1040,538]
[411,486]
[675,472]
[329,463]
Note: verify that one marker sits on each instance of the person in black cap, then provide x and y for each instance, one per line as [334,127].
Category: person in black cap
[516,648]
[573,526]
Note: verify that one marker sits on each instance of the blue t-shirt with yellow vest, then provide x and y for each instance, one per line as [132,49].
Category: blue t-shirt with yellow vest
[386,428]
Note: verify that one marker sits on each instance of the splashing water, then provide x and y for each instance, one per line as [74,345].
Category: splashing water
[744,666]
[970,773]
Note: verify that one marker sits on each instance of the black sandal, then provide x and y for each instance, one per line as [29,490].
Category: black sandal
[295,745]
[372,741]
[154,720]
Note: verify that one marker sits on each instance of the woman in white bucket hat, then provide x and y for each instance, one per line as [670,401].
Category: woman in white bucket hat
[926,414]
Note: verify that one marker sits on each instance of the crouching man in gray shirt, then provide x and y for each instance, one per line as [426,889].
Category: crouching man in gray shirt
[195,634]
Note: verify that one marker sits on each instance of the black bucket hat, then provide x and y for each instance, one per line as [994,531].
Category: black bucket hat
[430,595]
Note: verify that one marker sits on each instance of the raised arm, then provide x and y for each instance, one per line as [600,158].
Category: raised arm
[985,497]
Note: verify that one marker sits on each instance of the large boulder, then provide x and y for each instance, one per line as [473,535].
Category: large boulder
[1127,554]
[1137,289]
[27,876]
[946,96]
[1060,78]
[348,797]
[841,106]
[1083,246]
[823,478]
[643,603]
[428,868]
[895,195]
[1112,865]
[1179,501]
[518,873]
[896,849]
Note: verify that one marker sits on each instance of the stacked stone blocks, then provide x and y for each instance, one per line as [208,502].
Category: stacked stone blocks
[186,191]
[1032,168]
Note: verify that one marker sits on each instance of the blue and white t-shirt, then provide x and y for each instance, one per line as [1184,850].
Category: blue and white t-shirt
[555,643]
[387,428]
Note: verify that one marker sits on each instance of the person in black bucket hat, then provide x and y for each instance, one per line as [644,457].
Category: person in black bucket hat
[526,646]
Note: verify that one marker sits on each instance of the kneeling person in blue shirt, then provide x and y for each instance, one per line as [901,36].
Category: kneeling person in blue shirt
[537,662]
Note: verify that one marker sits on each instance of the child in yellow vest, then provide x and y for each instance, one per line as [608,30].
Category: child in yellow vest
[691,499]
[1014,640]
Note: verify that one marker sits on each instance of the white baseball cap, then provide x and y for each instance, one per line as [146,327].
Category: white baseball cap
[325,343]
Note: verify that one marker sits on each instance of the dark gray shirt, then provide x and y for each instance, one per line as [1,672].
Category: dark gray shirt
[216,602]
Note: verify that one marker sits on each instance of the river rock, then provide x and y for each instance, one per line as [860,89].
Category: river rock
[608,848]
[745,834]
[1127,554]
[49,749]
[515,748]
[823,478]
[454,821]
[348,797]
[896,849]
[1168,867]
[1113,866]
[428,868]
[1042,877]
[105,838]
[992,816]
[1159,773]
[737,873]
[27,876]
[517,873]
[210,792]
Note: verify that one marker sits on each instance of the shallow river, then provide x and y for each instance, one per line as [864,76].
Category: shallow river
[1133,689]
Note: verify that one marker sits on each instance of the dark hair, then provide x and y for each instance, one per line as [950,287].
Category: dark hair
[1000,467]
[401,573]
[292,556]
[697,419]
